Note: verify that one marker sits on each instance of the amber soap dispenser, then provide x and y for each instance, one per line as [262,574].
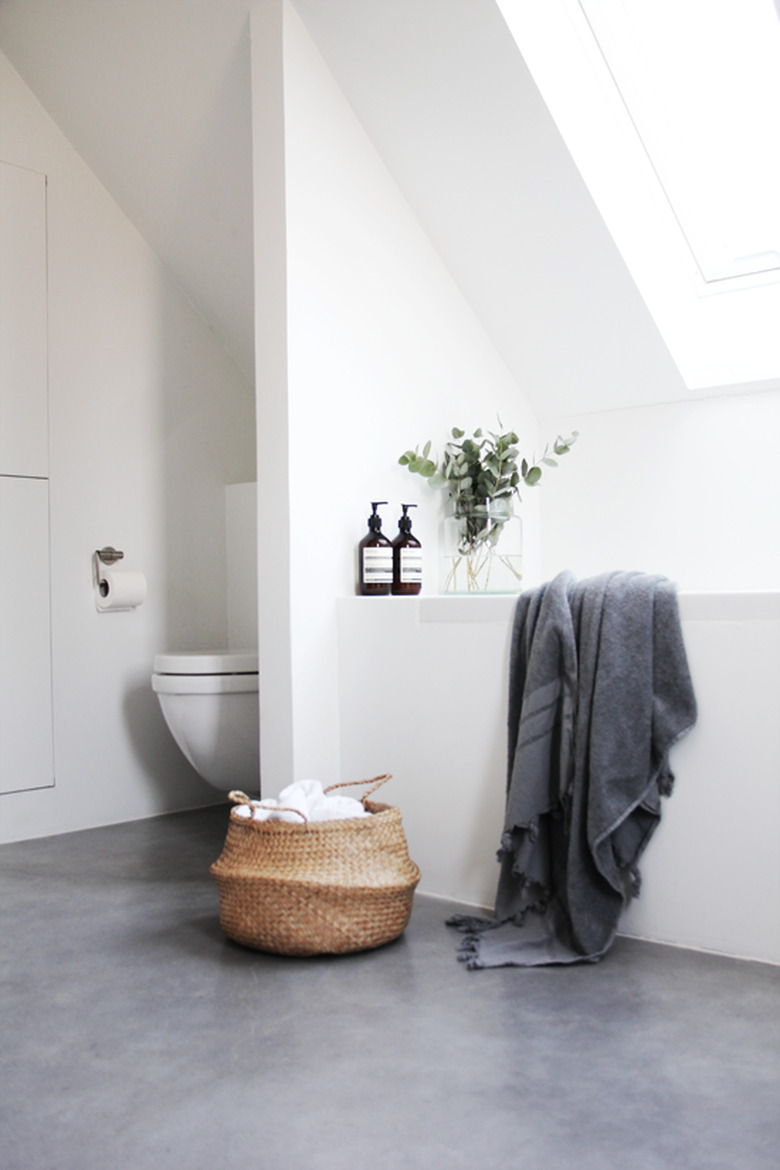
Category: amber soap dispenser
[375,557]
[407,557]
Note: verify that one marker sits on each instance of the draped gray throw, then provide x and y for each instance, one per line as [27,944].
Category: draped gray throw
[599,691]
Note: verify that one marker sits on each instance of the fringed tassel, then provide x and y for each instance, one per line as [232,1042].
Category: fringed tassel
[636,881]
[666,782]
[513,839]
[468,953]
[468,924]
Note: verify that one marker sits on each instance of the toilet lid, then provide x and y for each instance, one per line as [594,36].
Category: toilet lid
[208,662]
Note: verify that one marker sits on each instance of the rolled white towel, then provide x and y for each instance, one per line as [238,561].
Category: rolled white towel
[308,797]
[338,808]
[324,807]
[271,810]
[265,810]
[303,795]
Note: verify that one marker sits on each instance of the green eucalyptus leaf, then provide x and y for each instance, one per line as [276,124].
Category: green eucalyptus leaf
[487,466]
[562,446]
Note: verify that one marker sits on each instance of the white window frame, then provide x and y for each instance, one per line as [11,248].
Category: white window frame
[721,334]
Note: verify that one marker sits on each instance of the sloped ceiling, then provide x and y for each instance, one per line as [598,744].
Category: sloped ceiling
[155,96]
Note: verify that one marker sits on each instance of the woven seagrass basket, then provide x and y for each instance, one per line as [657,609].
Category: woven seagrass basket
[330,887]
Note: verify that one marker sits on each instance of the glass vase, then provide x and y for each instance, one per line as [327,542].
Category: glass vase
[483,547]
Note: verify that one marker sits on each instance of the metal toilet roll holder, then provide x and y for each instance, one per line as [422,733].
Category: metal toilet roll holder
[104,556]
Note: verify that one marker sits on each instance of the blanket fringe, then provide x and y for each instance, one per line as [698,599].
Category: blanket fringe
[513,838]
[469,924]
[468,953]
[635,886]
[666,781]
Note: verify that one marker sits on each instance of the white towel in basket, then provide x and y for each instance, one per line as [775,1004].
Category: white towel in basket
[309,798]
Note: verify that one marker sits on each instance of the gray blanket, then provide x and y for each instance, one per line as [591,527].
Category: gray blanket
[599,690]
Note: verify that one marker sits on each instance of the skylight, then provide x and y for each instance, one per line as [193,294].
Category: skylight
[701,82]
[671,112]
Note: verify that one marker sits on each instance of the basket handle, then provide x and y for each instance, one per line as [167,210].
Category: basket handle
[242,798]
[377,782]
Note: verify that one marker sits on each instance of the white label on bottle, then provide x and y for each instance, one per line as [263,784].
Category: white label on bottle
[411,565]
[377,565]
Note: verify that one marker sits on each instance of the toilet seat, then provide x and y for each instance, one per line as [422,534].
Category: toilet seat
[204,684]
[196,662]
[192,672]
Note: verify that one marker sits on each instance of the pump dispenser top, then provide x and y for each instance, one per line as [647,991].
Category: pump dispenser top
[375,520]
[405,523]
[407,557]
[375,557]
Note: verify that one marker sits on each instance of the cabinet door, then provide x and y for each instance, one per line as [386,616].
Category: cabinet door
[26,757]
[23,325]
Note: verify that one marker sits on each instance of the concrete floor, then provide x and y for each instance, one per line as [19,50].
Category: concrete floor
[135,1035]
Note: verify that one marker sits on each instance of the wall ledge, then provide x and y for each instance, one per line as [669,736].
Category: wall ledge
[730,607]
[500,607]
[486,607]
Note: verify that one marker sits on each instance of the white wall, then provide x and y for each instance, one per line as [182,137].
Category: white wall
[423,689]
[435,716]
[148,421]
[241,521]
[690,489]
[382,353]
[711,876]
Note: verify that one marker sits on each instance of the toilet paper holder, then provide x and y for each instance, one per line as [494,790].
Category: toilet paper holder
[106,556]
[116,589]
[109,555]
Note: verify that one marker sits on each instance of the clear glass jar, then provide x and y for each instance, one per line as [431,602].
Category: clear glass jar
[482,547]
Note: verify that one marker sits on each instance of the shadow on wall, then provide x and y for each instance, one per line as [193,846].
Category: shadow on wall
[489,784]
[207,420]
[169,774]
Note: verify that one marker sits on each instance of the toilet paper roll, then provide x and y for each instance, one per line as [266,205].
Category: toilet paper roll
[120,589]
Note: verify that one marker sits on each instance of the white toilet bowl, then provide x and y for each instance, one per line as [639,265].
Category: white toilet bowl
[210,703]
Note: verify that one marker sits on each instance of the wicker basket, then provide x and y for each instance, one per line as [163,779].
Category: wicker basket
[310,889]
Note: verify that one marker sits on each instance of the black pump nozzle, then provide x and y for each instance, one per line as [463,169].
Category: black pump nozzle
[375,520]
[405,523]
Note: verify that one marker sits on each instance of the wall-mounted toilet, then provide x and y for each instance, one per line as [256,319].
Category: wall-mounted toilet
[210,703]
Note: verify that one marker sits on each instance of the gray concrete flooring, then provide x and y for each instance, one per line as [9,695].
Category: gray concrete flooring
[134,1035]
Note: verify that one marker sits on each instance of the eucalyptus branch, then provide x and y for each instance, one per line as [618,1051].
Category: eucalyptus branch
[483,467]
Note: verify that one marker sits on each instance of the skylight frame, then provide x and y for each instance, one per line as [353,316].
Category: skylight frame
[725,101]
[719,334]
